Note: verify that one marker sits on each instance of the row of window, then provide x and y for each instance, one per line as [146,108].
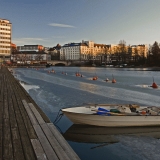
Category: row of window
[5,46]
[71,52]
[4,33]
[4,24]
[6,29]
[4,51]
[5,37]
[25,57]
[5,42]
[27,48]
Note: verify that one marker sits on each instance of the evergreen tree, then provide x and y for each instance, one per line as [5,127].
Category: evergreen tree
[156,53]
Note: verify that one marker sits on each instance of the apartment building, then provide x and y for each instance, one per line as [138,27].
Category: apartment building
[82,51]
[5,39]
[36,48]
[70,51]
[141,50]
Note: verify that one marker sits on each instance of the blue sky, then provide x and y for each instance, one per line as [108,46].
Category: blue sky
[48,22]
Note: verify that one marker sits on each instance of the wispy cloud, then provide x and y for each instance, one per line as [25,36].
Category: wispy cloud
[61,25]
[23,41]
[58,37]
[33,39]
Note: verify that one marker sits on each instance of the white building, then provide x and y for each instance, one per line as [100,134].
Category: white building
[28,56]
[82,51]
[70,51]
[36,48]
[5,39]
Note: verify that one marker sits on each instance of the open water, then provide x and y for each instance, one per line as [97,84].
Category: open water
[55,91]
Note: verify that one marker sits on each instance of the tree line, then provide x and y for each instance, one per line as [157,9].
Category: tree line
[137,55]
[153,58]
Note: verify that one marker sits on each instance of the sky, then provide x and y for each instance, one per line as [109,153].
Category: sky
[49,22]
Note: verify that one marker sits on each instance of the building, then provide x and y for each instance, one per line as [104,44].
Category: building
[29,57]
[70,51]
[102,53]
[140,50]
[30,54]
[55,52]
[5,40]
[13,47]
[36,48]
[86,50]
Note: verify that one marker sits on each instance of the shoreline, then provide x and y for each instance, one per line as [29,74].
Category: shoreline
[137,68]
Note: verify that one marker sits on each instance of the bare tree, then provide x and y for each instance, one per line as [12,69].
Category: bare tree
[122,49]
[39,57]
[135,54]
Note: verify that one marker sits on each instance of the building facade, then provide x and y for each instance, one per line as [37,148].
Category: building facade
[36,48]
[29,57]
[70,51]
[102,53]
[5,39]
[85,50]
[30,54]
[141,50]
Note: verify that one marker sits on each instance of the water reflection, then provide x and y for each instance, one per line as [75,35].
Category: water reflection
[94,134]
[90,87]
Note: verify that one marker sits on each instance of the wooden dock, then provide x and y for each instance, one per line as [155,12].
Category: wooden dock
[26,133]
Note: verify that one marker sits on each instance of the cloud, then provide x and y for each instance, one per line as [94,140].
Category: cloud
[58,37]
[33,39]
[25,41]
[60,25]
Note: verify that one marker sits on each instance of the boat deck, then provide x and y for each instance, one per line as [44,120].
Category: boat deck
[26,132]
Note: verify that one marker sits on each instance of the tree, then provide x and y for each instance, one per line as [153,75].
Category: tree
[39,57]
[135,53]
[142,54]
[122,50]
[156,53]
[149,55]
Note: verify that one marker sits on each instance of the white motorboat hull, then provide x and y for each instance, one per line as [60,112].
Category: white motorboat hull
[87,115]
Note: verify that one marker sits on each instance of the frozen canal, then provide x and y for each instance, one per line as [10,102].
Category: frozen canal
[55,91]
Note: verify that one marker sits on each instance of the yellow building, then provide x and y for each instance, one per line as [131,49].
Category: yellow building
[5,39]
[139,50]
[87,50]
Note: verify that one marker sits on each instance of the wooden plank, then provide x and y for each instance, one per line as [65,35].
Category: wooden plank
[54,143]
[30,113]
[38,150]
[16,141]
[45,144]
[13,122]
[63,142]
[25,117]
[25,140]
[36,113]
[7,142]
[1,114]
[17,146]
